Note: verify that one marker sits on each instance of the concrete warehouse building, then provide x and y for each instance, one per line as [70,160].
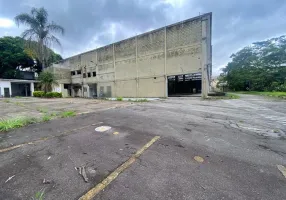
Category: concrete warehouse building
[176,59]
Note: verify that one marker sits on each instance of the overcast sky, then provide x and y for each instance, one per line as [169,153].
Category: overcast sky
[93,23]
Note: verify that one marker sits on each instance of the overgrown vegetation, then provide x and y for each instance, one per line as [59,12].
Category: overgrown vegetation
[269,94]
[141,100]
[17,122]
[42,110]
[258,67]
[12,123]
[46,118]
[226,96]
[119,99]
[65,114]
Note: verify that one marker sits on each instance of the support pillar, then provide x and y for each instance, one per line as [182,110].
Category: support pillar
[32,88]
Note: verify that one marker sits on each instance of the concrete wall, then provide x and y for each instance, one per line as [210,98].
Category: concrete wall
[5,84]
[139,66]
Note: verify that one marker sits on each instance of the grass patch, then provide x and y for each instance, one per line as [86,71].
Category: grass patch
[67,114]
[140,100]
[7,101]
[119,99]
[46,118]
[17,122]
[39,195]
[232,96]
[19,104]
[281,95]
[42,110]
[227,96]
[18,97]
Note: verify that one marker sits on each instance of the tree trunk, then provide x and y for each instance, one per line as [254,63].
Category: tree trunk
[42,56]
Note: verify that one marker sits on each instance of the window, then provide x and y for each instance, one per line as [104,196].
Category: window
[72,73]
[78,71]
[93,73]
[66,86]
[88,74]
[84,75]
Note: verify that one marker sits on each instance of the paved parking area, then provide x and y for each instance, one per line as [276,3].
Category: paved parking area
[241,142]
[29,106]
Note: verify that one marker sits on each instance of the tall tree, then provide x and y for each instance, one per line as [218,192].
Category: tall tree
[260,66]
[40,30]
[14,57]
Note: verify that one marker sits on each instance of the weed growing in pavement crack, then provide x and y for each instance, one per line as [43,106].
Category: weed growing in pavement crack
[65,114]
[17,122]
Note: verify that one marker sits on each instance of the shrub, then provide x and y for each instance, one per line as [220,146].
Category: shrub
[38,93]
[58,94]
[119,98]
[49,95]
[54,95]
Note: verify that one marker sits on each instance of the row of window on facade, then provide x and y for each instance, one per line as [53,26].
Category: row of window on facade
[84,75]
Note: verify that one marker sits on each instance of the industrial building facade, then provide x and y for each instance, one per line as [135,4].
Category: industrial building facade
[175,59]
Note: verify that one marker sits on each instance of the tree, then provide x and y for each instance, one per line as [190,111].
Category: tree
[40,30]
[260,66]
[47,80]
[15,56]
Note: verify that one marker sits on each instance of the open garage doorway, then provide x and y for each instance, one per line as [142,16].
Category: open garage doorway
[21,89]
[185,84]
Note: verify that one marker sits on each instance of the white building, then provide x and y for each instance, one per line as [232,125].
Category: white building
[16,87]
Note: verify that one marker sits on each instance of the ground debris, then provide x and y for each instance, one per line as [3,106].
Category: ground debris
[82,172]
[45,181]
[9,178]
[282,169]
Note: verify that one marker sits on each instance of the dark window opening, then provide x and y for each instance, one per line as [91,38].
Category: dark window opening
[72,73]
[84,75]
[93,73]
[88,74]
[78,71]
[66,86]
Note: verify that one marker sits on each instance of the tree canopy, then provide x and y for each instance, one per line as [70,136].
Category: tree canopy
[16,56]
[41,31]
[260,66]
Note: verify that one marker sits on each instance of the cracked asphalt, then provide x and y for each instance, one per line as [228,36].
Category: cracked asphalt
[241,141]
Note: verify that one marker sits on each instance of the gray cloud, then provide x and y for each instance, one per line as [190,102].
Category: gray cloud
[93,23]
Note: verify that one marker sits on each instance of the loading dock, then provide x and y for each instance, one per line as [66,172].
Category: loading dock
[186,84]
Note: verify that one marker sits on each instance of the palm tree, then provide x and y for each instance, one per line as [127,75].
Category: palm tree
[47,80]
[39,30]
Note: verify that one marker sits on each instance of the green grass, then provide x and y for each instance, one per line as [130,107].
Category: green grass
[141,100]
[42,110]
[65,114]
[119,99]
[269,94]
[227,96]
[46,118]
[18,97]
[232,96]
[17,122]
[39,195]
[7,101]
[19,104]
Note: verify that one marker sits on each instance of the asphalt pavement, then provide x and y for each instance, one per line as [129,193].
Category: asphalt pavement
[239,144]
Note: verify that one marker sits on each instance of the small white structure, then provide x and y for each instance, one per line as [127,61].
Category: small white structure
[15,87]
